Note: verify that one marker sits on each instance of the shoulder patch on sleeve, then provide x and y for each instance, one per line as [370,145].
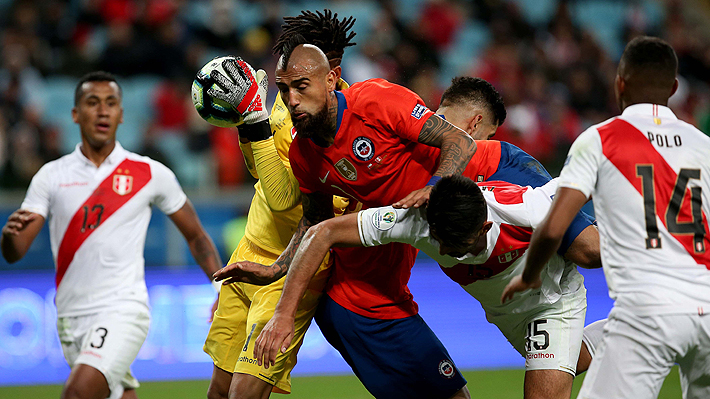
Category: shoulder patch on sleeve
[418,111]
[384,219]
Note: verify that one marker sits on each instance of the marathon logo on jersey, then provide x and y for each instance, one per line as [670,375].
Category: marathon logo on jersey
[446,369]
[418,111]
[346,169]
[384,219]
[363,148]
[122,184]
[509,256]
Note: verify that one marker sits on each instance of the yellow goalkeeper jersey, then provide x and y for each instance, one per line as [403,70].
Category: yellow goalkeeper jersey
[276,207]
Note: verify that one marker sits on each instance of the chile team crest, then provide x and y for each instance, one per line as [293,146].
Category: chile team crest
[122,184]
[363,148]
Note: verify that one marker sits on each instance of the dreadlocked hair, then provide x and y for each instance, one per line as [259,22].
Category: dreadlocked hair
[321,29]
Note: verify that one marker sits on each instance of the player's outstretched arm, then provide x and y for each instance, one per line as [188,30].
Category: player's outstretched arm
[277,334]
[316,208]
[457,149]
[546,239]
[584,250]
[200,243]
[18,233]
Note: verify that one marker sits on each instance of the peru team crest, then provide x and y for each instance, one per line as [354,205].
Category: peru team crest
[363,148]
[122,184]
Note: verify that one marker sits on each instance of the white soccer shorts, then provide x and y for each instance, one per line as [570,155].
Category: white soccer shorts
[108,341]
[637,354]
[549,338]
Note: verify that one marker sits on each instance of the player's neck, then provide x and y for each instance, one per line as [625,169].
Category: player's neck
[97,155]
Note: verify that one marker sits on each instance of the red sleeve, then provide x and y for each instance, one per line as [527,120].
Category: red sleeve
[394,107]
[299,166]
[485,161]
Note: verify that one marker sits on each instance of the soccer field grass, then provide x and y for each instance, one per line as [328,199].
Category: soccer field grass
[497,384]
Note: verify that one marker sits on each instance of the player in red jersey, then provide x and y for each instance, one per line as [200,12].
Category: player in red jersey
[377,161]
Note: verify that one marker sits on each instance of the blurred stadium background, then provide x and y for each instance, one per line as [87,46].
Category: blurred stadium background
[552,60]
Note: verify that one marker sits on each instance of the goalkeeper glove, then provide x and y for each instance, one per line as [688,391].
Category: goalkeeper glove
[244,89]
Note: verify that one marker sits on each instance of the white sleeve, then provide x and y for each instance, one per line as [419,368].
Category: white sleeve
[538,202]
[169,196]
[582,164]
[39,193]
[378,226]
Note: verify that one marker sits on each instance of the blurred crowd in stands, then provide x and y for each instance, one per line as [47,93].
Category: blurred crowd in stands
[553,61]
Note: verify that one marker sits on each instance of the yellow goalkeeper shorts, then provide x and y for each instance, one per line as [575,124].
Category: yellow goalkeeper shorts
[243,311]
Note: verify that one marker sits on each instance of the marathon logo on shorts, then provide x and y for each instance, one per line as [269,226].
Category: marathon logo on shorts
[531,356]
[363,148]
[418,111]
[446,369]
[384,219]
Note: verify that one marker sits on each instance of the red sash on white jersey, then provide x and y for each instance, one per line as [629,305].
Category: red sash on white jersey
[625,147]
[121,185]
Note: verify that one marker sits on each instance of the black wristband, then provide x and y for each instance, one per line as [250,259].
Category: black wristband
[256,132]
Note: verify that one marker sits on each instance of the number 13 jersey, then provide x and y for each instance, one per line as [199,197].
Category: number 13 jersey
[649,175]
[98,220]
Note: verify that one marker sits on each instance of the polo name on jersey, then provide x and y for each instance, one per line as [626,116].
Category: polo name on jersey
[121,185]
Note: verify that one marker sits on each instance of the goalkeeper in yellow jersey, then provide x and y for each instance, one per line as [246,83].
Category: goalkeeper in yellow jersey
[274,213]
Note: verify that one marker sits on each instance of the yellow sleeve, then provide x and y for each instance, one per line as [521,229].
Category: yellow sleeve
[278,183]
[249,158]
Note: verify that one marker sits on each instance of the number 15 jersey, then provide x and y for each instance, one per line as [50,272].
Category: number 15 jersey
[649,175]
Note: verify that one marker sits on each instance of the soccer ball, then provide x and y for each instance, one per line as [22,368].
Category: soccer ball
[211,109]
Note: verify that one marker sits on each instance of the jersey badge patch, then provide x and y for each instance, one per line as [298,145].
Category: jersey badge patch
[446,369]
[346,169]
[363,148]
[122,184]
[418,111]
[508,256]
[384,219]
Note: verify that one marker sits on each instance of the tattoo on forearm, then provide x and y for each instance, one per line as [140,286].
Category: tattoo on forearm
[456,149]
[316,208]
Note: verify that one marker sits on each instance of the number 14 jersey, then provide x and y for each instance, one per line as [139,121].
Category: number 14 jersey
[649,175]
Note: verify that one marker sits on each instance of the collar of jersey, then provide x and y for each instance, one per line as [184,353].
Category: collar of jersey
[342,106]
[649,109]
[112,158]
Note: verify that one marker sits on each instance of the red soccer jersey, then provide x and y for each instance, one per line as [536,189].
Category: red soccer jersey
[376,160]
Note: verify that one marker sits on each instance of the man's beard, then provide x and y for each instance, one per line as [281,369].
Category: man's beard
[314,126]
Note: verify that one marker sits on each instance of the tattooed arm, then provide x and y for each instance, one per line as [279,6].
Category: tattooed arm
[316,208]
[457,149]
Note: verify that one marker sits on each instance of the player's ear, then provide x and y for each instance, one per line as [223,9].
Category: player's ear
[331,80]
[474,124]
[338,72]
[675,87]
[75,114]
[486,227]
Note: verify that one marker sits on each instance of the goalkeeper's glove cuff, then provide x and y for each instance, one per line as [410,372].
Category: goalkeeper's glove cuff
[256,132]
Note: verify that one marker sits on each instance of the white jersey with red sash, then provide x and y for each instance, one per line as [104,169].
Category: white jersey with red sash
[515,211]
[98,219]
[649,175]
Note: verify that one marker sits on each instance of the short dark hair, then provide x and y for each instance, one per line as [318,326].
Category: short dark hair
[456,210]
[651,61]
[321,29]
[466,89]
[288,47]
[96,76]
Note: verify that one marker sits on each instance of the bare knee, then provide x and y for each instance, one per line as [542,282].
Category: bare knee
[85,382]
[548,384]
[219,384]
[129,394]
[245,386]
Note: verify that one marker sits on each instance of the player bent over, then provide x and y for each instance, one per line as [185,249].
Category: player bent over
[479,236]
[98,201]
